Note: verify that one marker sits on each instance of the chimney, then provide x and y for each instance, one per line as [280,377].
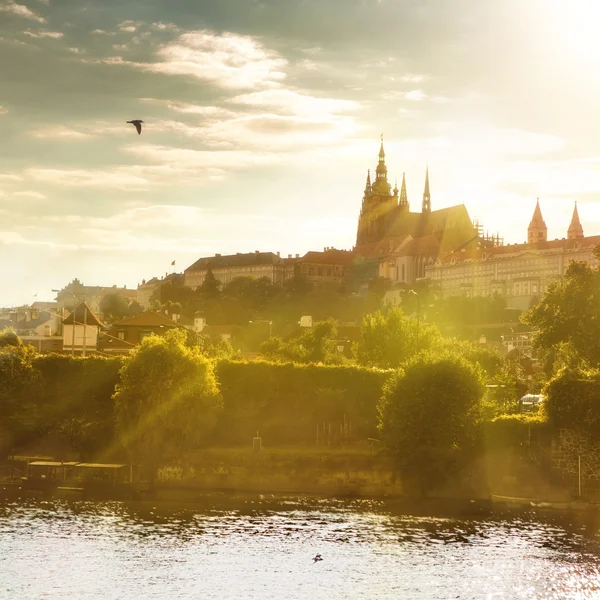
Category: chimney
[256,251]
[289,256]
[297,256]
[217,255]
[278,255]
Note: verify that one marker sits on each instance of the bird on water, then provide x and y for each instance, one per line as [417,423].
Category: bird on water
[137,123]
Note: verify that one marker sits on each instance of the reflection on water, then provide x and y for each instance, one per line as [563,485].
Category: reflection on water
[261,547]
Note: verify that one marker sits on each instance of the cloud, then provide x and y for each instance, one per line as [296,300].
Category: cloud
[42,33]
[10,177]
[3,110]
[20,10]
[88,178]
[103,32]
[295,103]
[29,194]
[164,27]
[58,132]
[129,26]
[192,109]
[228,60]
[415,95]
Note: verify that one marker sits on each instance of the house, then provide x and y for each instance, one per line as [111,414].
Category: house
[123,336]
[81,330]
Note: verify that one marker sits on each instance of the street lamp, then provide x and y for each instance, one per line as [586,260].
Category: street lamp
[418,314]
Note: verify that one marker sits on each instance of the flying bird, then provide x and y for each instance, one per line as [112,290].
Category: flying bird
[317,558]
[137,123]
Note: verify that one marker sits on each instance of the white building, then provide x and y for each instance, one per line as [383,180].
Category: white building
[80,330]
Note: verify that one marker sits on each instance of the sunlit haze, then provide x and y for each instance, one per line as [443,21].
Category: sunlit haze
[261,118]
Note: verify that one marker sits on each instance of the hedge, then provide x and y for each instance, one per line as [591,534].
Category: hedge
[286,402]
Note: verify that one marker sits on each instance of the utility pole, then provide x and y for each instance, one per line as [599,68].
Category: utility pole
[84,325]
[418,314]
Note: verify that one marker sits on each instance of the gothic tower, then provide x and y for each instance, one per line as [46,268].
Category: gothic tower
[575,229]
[378,205]
[404,205]
[426,194]
[537,230]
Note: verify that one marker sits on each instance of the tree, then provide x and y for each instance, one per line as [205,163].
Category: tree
[316,344]
[167,400]
[210,289]
[9,338]
[429,419]
[18,380]
[135,308]
[114,307]
[387,340]
[568,315]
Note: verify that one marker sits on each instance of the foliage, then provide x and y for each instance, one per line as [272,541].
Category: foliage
[74,400]
[430,416]
[114,307]
[286,402]
[515,431]
[316,344]
[573,401]
[567,315]
[17,380]
[211,346]
[167,399]
[387,340]
[8,338]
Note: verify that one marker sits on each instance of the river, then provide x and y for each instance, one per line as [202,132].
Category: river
[262,547]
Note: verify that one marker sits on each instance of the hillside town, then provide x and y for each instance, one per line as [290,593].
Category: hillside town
[396,247]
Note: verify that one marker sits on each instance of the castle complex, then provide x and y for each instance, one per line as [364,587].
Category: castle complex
[519,272]
[403,245]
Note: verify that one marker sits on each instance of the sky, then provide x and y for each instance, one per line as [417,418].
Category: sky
[261,118]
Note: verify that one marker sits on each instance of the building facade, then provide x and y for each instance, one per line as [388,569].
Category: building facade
[519,272]
[330,267]
[226,268]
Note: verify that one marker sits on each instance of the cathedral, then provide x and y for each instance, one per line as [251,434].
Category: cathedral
[412,240]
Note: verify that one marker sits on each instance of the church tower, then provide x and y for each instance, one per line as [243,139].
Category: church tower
[404,205]
[575,229]
[378,205]
[426,194]
[537,230]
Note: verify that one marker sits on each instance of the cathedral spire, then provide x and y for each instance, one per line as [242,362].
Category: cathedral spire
[575,229]
[403,195]
[368,184]
[537,230]
[381,184]
[426,194]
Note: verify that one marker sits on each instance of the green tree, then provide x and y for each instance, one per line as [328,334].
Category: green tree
[114,307]
[167,400]
[567,315]
[9,338]
[316,344]
[210,289]
[430,416]
[387,340]
[18,381]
